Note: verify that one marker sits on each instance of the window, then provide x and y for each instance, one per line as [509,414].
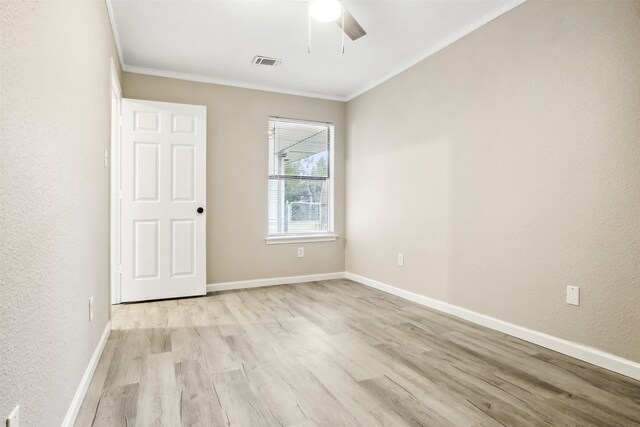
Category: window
[300,180]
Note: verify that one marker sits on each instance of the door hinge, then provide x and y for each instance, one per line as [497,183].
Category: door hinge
[120,269]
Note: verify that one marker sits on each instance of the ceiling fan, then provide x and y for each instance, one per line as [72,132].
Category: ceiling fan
[334,10]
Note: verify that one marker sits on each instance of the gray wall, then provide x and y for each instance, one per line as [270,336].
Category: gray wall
[505,167]
[54,199]
[237,152]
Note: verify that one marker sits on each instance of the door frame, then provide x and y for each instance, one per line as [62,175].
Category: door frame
[114,227]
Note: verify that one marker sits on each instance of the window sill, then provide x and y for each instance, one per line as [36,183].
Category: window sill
[306,238]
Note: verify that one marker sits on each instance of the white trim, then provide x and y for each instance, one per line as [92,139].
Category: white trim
[114,172]
[331,226]
[579,351]
[439,46]
[259,283]
[404,66]
[300,121]
[224,82]
[72,412]
[115,81]
[114,30]
[311,238]
[313,235]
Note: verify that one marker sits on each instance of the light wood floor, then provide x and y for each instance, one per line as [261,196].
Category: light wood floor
[336,353]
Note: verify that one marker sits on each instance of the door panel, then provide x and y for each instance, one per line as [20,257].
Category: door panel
[146,171]
[183,247]
[183,124]
[148,121]
[146,249]
[183,173]
[163,184]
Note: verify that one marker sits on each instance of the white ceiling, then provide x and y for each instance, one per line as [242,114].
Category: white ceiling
[215,41]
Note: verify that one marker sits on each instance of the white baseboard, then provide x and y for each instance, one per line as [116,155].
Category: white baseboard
[579,351]
[72,412]
[259,283]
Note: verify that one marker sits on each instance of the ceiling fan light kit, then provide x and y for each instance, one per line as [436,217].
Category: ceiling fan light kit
[325,10]
[331,10]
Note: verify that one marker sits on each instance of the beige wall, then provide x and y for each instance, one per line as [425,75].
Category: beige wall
[237,176]
[505,167]
[54,199]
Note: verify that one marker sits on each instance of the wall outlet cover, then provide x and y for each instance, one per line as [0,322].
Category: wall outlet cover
[573,295]
[400,259]
[300,252]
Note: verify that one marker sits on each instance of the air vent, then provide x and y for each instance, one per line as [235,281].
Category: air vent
[265,60]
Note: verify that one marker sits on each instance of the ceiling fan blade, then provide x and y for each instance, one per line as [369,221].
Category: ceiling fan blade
[351,26]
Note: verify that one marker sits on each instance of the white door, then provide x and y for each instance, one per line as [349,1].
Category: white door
[163,160]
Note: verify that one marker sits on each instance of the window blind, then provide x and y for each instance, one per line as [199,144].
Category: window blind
[300,193]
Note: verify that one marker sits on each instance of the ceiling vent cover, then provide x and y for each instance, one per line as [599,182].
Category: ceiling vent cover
[265,60]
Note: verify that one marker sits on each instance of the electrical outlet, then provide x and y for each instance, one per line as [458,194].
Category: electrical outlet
[300,252]
[400,259]
[573,295]
[14,418]
[90,309]
[106,158]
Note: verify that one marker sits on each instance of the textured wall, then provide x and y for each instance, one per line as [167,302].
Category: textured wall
[507,166]
[54,222]
[237,176]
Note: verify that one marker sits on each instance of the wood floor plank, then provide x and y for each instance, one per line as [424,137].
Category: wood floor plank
[217,354]
[127,362]
[186,343]
[488,398]
[158,397]
[89,406]
[276,394]
[364,406]
[199,403]
[117,407]
[547,375]
[605,380]
[405,404]
[316,402]
[240,405]
[356,357]
[335,353]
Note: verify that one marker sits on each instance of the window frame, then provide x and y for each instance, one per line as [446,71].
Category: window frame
[329,235]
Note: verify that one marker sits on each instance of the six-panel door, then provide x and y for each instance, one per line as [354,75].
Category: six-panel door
[163,184]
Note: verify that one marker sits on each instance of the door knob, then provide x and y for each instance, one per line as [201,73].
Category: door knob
[200,210]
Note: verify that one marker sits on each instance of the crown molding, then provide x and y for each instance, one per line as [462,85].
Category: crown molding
[114,30]
[439,46]
[432,49]
[223,82]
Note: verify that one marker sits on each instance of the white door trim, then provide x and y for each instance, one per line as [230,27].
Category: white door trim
[114,228]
